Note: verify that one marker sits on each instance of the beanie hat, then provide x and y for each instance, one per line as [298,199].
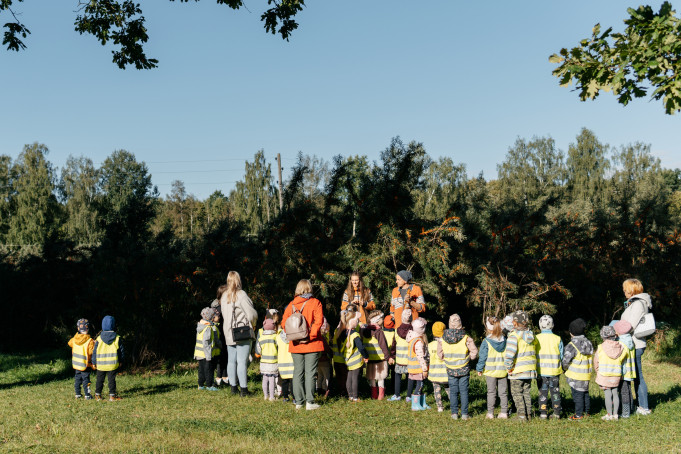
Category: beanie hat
[622,327]
[546,322]
[577,327]
[268,324]
[608,333]
[455,322]
[375,317]
[419,326]
[207,313]
[521,318]
[438,329]
[108,323]
[406,275]
[83,326]
[389,322]
[406,316]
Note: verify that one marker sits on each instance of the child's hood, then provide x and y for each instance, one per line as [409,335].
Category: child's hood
[108,323]
[496,344]
[583,345]
[526,335]
[200,326]
[403,330]
[108,337]
[612,348]
[80,339]
[627,341]
[452,336]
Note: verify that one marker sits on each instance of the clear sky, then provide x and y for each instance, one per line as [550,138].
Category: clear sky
[464,78]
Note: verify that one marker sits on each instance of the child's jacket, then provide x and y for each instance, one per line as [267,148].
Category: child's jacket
[629,365]
[456,350]
[577,362]
[82,346]
[375,343]
[549,354]
[108,352]
[520,357]
[608,362]
[491,357]
[207,343]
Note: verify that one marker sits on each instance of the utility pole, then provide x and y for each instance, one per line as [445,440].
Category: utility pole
[281,199]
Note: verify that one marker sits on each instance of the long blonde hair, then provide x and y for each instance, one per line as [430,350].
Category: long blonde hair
[233,286]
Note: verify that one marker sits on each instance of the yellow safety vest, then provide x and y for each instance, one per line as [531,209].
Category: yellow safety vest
[389,338]
[580,367]
[79,355]
[413,363]
[494,365]
[198,347]
[107,354]
[437,371]
[351,355]
[337,356]
[401,351]
[216,340]
[629,365]
[609,367]
[284,358]
[456,355]
[548,351]
[374,350]
[526,357]
[268,348]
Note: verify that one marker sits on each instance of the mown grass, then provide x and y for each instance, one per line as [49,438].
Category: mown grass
[166,413]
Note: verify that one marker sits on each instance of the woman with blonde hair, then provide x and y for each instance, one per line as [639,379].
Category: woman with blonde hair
[238,313]
[358,294]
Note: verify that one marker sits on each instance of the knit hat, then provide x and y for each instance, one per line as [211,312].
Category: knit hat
[375,317]
[608,333]
[521,318]
[622,327]
[406,275]
[507,323]
[268,324]
[406,316]
[389,322]
[419,326]
[438,329]
[207,313]
[577,327]
[546,322]
[455,322]
[83,326]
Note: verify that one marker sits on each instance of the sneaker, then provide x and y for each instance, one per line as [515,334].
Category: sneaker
[88,397]
[394,398]
[455,416]
[606,418]
[212,388]
[642,411]
[78,396]
[407,400]
[440,409]
[286,400]
[502,416]
[614,418]
[114,398]
[544,416]
[299,406]
[576,418]
[98,397]
[465,417]
[273,399]
[218,381]
[555,416]
[311,406]
[490,416]
[202,387]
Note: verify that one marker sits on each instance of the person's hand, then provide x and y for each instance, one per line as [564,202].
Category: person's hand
[391,361]
[366,360]
[510,371]
[425,375]
[479,374]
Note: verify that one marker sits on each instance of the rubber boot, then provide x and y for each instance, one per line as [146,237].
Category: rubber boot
[381,393]
[424,405]
[416,403]
[374,392]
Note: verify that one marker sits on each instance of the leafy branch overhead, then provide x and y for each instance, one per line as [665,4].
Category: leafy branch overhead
[121,22]
[645,56]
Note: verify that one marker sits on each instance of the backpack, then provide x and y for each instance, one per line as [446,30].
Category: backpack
[296,326]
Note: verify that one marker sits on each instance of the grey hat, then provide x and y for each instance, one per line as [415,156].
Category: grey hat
[207,313]
[521,318]
[546,322]
[406,275]
[608,333]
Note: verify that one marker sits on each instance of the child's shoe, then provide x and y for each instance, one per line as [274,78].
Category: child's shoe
[395,398]
[455,416]
[78,396]
[416,403]
[212,388]
[440,409]
[555,416]
[606,418]
[423,403]
[98,397]
[502,416]
[522,418]
[286,400]
[202,387]
[218,381]
[643,411]
[576,418]
[114,398]
[311,406]
[408,399]
[273,399]
[543,416]
[88,397]
[465,417]
[491,416]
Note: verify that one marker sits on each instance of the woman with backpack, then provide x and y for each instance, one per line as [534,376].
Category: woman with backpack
[302,321]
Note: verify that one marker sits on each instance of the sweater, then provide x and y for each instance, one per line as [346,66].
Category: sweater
[364,306]
[414,297]
[635,308]
[243,311]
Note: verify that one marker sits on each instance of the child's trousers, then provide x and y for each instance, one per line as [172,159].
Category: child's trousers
[110,376]
[437,392]
[582,402]
[612,400]
[626,397]
[341,372]
[285,387]
[520,390]
[269,385]
[206,371]
[458,386]
[82,378]
[497,386]
[546,384]
[352,383]
[323,375]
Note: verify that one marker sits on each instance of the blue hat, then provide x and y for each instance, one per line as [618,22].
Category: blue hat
[108,323]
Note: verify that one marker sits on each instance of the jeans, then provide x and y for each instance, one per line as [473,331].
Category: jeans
[582,402]
[458,385]
[82,378]
[237,363]
[305,376]
[639,381]
[206,371]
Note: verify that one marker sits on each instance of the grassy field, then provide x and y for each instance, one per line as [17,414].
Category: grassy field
[164,412]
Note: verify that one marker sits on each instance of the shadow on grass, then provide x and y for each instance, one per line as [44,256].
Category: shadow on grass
[39,379]
[672,394]
[154,389]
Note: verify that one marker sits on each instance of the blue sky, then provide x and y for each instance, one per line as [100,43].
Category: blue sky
[464,78]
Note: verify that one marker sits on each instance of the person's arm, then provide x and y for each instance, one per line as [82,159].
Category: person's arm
[560,348]
[94,353]
[246,305]
[510,353]
[633,314]
[418,302]
[482,358]
[90,351]
[420,350]
[440,352]
[470,344]
[360,346]
[595,360]
[317,319]
[383,343]
[345,301]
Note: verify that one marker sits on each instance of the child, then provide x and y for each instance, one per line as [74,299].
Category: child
[437,371]
[491,365]
[550,354]
[457,349]
[389,333]
[266,347]
[377,346]
[324,364]
[284,364]
[417,363]
[107,357]
[623,329]
[401,349]
[221,358]
[206,348]
[339,367]
[608,361]
[354,354]
[520,361]
[82,346]
[577,360]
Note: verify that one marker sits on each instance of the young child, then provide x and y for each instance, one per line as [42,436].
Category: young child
[266,347]
[389,333]
[339,367]
[82,346]
[206,348]
[221,358]
[376,345]
[608,362]
[550,354]
[491,365]
[437,370]
[577,364]
[107,357]
[401,350]
[284,364]
[324,364]
[623,329]
[417,362]
[457,349]
[354,354]
[520,361]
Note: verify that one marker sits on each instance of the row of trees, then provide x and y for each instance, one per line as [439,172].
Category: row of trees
[556,232]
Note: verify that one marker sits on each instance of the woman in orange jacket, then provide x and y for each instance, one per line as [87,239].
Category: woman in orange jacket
[406,296]
[356,293]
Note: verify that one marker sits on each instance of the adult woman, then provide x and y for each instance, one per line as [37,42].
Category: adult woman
[305,352]
[237,311]
[359,295]
[637,305]
[406,296]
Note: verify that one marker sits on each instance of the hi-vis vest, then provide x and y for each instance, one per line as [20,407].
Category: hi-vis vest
[629,365]
[389,338]
[456,355]
[526,357]
[107,354]
[216,340]
[374,350]
[352,356]
[580,367]
[413,363]
[284,358]
[198,347]
[609,367]
[401,351]
[437,371]
[268,348]
[337,355]
[494,365]
[79,355]
[548,351]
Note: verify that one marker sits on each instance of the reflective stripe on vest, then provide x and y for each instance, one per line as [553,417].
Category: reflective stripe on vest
[548,351]
[629,365]
[437,371]
[268,348]
[79,355]
[284,358]
[609,367]
[494,365]
[107,354]
[456,355]
[374,350]
[216,341]
[351,355]
[413,363]
[580,367]
[526,357]
[401,351]
[198,347]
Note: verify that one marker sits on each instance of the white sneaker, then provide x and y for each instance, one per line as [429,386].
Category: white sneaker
[299,406]
[605,417]
[490,416]
[311,406]
[642,411]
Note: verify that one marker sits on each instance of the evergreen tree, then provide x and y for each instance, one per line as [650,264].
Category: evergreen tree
[78,189]
[587,164]
[253,201]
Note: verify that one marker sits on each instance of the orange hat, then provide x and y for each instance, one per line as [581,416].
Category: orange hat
[389,322]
